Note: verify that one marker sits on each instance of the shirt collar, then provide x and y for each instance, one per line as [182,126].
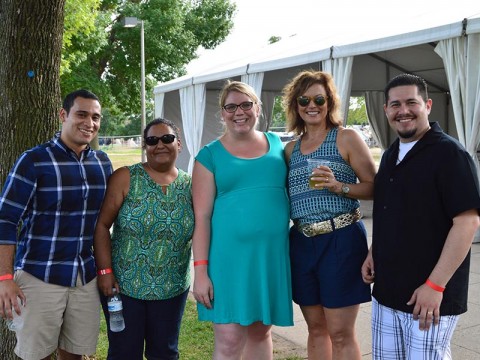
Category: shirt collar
[58,142]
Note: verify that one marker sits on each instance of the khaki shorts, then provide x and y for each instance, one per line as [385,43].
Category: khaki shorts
[57,317]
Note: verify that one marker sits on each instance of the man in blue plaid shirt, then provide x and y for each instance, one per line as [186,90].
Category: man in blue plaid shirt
[48,211]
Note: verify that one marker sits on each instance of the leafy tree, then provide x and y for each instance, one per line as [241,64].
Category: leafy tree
[79,23]
[357,113]
[278,115]
[106,58]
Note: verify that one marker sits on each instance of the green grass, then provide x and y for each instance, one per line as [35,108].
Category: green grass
[196,337]
[122,156]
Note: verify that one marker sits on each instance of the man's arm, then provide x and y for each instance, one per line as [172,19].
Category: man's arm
[18,189]
[459,240]
[8,288]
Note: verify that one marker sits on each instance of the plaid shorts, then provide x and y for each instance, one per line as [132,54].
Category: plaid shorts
[396,335]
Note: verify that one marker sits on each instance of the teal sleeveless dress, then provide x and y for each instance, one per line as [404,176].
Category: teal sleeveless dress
[249,262]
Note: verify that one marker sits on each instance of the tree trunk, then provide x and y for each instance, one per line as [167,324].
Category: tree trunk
[30,53]
[31,44]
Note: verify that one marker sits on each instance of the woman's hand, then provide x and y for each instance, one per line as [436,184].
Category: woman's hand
[105,284]
[325,179]
[203,289]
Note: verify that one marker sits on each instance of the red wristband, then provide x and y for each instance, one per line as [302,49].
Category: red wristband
[6,277]
[434,286]
[200,262]
[104,271]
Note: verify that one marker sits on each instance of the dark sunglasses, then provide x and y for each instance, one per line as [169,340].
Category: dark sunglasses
[305,100]
[231,108]
[165,139]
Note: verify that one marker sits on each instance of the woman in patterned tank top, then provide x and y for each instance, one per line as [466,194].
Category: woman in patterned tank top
[327,242]
[147,256]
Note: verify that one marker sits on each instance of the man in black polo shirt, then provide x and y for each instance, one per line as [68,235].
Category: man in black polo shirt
[425,215]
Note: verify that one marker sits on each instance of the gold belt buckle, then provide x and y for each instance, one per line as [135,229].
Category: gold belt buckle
[319,228]
[324,227]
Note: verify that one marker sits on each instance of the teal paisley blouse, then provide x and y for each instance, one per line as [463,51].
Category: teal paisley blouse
[152,237]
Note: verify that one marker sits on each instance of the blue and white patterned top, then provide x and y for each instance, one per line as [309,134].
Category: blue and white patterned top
[54,197]
[312,205]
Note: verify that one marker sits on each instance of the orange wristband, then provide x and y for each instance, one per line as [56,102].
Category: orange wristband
[6,277]
[200,262]
[434,286]
[104,271]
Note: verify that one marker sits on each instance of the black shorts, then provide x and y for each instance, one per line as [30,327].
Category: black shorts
[326,269]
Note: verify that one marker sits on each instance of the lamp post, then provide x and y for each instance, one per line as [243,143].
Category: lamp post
[129,22]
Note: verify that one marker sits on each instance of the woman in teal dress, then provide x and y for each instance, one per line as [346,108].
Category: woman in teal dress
[147,257]
[240,242]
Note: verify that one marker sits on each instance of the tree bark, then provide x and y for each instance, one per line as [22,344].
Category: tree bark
[30,54]
[31,45]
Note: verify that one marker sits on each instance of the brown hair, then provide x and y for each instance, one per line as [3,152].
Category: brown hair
[297,87]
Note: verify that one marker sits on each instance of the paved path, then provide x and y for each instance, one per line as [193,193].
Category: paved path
[466,339]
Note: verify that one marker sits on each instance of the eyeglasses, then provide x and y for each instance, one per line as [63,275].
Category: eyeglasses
[305,100]
[231,108]
[165,139]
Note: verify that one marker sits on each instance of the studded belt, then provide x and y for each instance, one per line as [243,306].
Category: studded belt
[327,226]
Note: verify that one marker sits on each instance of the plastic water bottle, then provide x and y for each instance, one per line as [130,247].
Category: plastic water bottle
[115,308]
[17,322]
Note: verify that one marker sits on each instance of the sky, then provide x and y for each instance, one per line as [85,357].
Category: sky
[257,20]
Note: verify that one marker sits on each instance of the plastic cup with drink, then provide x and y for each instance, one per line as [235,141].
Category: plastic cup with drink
[314,164]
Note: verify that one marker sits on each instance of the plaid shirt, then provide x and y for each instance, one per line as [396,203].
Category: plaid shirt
[51,200]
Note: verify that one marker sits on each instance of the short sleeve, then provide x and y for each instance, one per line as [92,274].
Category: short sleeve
[205,157]
[459,183]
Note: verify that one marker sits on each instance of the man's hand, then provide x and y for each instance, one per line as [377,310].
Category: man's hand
[427,306]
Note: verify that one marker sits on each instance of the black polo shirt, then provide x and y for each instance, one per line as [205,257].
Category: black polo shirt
[414,204]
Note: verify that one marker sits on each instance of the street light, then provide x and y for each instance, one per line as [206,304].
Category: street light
[129,22]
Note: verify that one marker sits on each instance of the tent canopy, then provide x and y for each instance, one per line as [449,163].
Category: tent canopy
[445,56]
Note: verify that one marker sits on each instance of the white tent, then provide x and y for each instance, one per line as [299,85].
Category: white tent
[447,56]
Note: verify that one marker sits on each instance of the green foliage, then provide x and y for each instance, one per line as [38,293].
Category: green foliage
[274,39]
[104,57]
[278,115]
[79,22]
[357,111]
[206,20]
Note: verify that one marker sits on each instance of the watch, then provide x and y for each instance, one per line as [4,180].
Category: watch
[345,189]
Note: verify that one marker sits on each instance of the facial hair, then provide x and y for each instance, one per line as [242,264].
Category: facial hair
[407,134]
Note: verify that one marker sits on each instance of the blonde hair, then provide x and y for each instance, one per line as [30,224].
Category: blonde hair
[297,86]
